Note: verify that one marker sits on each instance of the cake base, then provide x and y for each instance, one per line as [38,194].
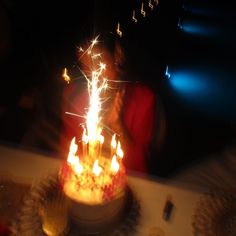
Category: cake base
[48,189]
[101,217]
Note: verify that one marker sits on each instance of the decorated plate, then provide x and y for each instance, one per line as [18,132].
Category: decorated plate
[215,214]
[44,212]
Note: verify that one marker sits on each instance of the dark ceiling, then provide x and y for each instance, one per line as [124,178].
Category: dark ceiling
[39,38]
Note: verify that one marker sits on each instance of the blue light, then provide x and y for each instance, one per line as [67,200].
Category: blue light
[203,10]
[179,24]
[199,28]
[167,74]
[203,89]
[189,84]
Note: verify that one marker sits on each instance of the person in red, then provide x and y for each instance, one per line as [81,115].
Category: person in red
[129,110]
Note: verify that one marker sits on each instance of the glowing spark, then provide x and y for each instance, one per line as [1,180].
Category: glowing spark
[73,114]
[142,11]
[102,66]
[66,76]
[118,31]
[105,84]
[95,87]
[94,41]
[81,49]
[97,55]
[90,48]
[150,4]
[133,17]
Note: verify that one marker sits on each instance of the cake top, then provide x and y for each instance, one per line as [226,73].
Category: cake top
[90,188]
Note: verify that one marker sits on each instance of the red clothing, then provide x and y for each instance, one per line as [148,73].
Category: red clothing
[4,230]
[138,116]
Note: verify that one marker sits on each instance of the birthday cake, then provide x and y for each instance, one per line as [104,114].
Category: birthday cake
[95,202]
[93,178]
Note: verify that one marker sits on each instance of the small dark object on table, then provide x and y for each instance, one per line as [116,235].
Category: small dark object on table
[167,210]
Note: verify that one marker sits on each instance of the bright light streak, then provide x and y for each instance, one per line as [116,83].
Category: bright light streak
[119,151]
[142,11]
[113,141]
[66,76]
[118,31]
[133,17]
[150,4]
[167,74]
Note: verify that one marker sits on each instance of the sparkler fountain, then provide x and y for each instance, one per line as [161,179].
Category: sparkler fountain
[94,183]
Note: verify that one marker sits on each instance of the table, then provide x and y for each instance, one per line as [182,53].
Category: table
[26,167]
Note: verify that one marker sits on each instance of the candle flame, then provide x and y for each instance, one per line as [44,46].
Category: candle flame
[114,164]
[66,76]
[101,139]
[85,137]
[119,151]
[73,159]
[118,31]
[113,141]
[96,168]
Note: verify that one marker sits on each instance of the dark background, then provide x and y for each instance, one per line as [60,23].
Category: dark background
[39,38]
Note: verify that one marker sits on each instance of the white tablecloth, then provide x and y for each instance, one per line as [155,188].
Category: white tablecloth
[27,167]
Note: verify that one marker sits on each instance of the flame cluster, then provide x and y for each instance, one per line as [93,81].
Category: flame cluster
[94,161]
[94,169]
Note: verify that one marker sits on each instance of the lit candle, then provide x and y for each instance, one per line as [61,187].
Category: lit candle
[84,143]
[119,151]
[96,168]
[113,145]
[114,164]
[100,143]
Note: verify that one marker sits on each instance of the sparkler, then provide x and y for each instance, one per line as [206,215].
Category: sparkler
[97,174]
[92,138]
